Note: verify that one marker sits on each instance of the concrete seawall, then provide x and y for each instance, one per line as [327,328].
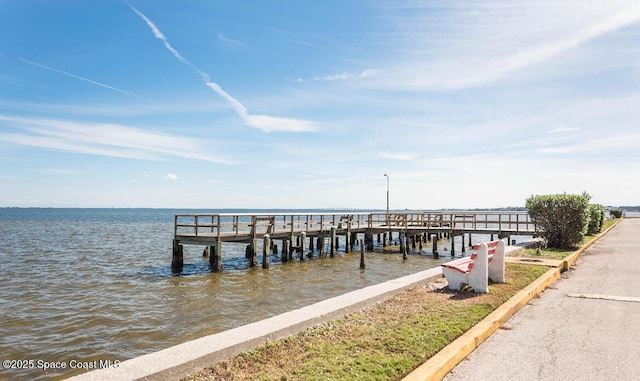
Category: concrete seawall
[180,360]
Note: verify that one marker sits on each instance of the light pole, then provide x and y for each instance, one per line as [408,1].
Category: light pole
[387,176]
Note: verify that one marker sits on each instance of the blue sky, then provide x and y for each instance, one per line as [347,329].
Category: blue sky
[307,104]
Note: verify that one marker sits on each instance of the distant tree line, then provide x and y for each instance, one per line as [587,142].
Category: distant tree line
[564,219]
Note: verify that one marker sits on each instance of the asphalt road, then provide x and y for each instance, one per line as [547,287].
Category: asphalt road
[585,327]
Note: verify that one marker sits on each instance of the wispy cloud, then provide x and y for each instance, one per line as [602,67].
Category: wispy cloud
[617,144]
[332,77]
[59,172]
[82,78]
[230,41]
[498,39]
[103,139]
[400,155]
[171,177]
[563,130]
[264,123]
[345,76]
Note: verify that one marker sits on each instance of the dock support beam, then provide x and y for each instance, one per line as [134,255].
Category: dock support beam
[266,251]
[177,261]
[285,251]
[403,243]
[320,242]
[251,253]
[332,250]
[215,256]
[436,255]
[347,241]
[303,243]
[368,238]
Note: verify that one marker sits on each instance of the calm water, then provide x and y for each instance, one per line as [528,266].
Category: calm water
[79,285]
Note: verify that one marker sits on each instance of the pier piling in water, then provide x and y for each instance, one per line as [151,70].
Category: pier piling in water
[285,251]
[332,235]
[303,244]
[177,261]
[266,248]
[434,251]
[215,259]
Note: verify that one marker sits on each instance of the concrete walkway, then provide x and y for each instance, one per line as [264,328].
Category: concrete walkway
[585,327]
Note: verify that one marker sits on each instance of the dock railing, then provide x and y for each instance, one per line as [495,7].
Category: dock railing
[257,224]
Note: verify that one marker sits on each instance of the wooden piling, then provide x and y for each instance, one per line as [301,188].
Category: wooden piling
[368,237]
[347,241]
[253,258]
[303,240]
[362,265]
[332,242]
[291,248]
[436,255]
[406,248]
[353,240]
[177,261]
[215,256]
[266,248]
[320,244]
[403,248]
[285,251]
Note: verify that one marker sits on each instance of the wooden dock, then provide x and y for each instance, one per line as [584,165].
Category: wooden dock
[294,229]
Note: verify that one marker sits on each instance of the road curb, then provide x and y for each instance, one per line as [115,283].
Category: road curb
[573,257]
[442,362]
[436,367]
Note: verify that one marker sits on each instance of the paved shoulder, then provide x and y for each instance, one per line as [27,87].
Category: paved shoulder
[585,327]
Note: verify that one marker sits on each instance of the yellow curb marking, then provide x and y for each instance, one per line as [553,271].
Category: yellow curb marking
[606,297]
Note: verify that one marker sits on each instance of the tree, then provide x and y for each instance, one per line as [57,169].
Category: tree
[562,219]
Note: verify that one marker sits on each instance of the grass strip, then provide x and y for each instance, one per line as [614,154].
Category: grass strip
[384,341]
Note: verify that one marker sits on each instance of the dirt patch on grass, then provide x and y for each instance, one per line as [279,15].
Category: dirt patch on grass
[383,341]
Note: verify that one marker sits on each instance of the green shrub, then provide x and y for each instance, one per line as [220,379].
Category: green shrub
[596,219]
[561,219]
[617,213]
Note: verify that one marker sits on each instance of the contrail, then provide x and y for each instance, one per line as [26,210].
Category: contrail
[158,34]
[82,78]
[263,122]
